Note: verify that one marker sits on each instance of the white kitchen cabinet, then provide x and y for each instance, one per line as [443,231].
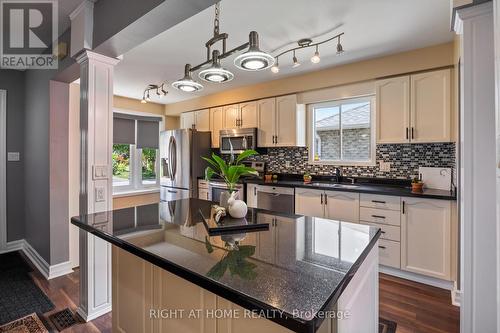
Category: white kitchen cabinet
[281,122]
[199,120]
[389,253]
[426,237]
[342,206]
[216,124]
[266,114]
[202,120]
[309,202]
[393,110]
[187,120]
[203,194]
[414,108]
[252,195]
[431,106]
[231,116]
[248,115]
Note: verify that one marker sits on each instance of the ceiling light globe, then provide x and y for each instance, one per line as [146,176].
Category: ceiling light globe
[275,69]
[187,85]
[315,58]
[143,101]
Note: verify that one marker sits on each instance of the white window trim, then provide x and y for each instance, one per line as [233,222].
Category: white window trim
[136,186]
[373,145]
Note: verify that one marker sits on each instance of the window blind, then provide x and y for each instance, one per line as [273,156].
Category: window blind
[148,134]
[123,131]
[147,130]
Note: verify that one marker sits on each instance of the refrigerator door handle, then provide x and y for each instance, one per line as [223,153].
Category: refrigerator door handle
[173,158]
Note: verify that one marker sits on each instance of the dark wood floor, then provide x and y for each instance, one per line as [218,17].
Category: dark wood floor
[415,307]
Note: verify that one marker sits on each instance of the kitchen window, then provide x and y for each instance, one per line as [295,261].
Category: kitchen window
[135,152]
[342,132]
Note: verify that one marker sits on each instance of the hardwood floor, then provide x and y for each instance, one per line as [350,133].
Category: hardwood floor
[415,307]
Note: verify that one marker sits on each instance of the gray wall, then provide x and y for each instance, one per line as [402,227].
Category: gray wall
[13,82]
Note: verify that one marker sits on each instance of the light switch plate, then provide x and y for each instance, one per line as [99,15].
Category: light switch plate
[385,166]
[100,172]
[13,156]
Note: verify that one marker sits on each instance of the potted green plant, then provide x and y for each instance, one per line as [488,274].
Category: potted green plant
[307,178]
[417,185]
[230,171]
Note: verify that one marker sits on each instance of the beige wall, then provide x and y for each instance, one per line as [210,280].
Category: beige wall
[411,61]
[171,122]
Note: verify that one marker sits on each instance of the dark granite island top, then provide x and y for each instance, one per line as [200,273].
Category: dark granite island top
[295,270]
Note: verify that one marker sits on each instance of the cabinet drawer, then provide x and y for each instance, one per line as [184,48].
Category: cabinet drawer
[389,232]
[382,216]
[202,183]
[380,201]
[389,253]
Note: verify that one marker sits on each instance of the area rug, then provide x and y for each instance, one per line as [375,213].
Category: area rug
[19,295]
[29,324]
[386,326]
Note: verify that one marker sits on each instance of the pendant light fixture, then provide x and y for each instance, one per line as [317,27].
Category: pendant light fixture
[296,63]
[216,73]
[187,84]
[254,59]
[340,48]
[276,67]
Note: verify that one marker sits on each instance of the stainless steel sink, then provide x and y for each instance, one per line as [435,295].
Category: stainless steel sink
[334,185]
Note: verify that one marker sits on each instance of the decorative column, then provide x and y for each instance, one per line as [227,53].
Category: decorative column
[478,200]
[96,127]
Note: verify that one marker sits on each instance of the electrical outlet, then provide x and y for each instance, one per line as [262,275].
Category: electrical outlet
[100,194]
[287,164]
[385,166]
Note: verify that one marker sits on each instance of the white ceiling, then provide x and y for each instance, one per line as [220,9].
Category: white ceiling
[372,28]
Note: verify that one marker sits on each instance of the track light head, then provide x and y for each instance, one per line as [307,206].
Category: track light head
[254,59]
[187,84]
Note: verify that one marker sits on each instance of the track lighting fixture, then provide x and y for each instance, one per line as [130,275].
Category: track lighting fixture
[276,67]
[216,73]
[187,84]
[160,92]
[305,43]
[296,63]
[254,59]
[316,58]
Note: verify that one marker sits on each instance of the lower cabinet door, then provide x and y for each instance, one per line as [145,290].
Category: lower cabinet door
[426,237]
[309,202]
[252,195]
[389,253]
[342,206]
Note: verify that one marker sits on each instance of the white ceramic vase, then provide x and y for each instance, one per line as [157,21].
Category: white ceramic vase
[236,208]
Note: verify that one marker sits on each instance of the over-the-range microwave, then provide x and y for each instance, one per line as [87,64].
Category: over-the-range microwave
[237,140]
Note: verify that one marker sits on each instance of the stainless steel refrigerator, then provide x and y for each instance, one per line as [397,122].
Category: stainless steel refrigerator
[181,163]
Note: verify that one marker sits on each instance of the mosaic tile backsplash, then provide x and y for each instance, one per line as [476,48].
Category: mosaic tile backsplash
[405,160]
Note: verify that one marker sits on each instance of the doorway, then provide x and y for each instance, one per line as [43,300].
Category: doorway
[3,168]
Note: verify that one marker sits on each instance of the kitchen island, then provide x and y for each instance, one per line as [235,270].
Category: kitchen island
[300,273]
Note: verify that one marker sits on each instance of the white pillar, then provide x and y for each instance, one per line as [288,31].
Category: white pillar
[479,256]
[96,127]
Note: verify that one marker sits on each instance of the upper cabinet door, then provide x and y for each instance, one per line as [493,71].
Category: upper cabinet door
[342,206]
[216,124]
[286,121]
[266,112]
[231,116]
[187,120]
[393,110]
[430,107]
[309,202]
[248,115]
[203,120]
[426,237]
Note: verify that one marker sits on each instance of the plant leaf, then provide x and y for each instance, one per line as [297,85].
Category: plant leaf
[218,270]
[212,163]
[247,153]
[209,172]
[208,245]
[222,164]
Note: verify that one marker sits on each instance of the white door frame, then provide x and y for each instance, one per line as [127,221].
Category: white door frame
[496,18]
[3,170]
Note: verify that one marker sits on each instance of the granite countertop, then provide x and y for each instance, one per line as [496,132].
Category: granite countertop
[367,187]
[294,277]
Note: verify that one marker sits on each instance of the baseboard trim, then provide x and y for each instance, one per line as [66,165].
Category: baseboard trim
[89,317]
[456,297]
[48,272]
[443,284]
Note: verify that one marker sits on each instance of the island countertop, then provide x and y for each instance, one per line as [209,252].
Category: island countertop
[296,269]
